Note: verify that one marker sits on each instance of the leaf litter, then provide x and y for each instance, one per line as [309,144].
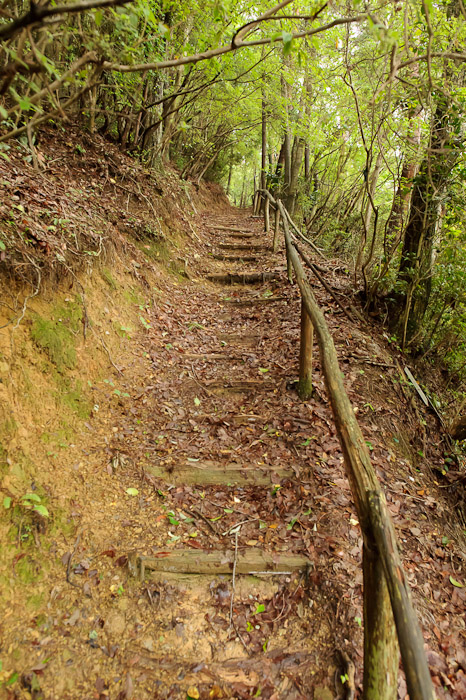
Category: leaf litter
[112,636]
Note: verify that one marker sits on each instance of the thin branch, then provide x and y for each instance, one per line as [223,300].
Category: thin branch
[37,13]
[211,53]
[255,22]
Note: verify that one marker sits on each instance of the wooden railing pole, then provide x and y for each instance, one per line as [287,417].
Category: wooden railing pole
[409,634]
[289,264]
[267,215]
[305,355]
[276,231]
[381,655]
[256,201]
[381,651]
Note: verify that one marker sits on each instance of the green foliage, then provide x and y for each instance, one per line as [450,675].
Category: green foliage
[337,92]
[28,515]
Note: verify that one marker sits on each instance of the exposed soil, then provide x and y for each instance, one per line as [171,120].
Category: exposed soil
[199,442]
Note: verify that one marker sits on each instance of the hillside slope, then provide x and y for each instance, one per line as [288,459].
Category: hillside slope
[152,411]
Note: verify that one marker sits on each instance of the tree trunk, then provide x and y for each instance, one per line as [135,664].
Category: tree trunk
[296,162]
[417,256]
[264,143]
[230,170]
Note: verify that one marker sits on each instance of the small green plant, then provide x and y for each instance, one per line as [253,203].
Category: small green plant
[30,501]
[124,331]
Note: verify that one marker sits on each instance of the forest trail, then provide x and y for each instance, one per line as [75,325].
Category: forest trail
[206,462]
[242,490]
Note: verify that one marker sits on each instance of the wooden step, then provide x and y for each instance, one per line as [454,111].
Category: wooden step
[244,277]
[236,258]
[248,341]
[196,561]
[240,387]
[242,235]
[252,302]
[218,227]
[222,356]
[245,247]
[208,473]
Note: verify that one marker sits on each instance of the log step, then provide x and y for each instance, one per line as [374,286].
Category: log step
[218,227]
[242,235]
[245,247]
[240,387]
[190,561]
[225,356]
[244,278]
[248,341]
[252,302]
[209,473]
[236,258]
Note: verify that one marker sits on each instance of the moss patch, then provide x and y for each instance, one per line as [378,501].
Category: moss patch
[71,394]
[108,277]
[56,340]
[56,336]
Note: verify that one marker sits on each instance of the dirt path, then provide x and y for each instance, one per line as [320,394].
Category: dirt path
[229,456]
[209,463]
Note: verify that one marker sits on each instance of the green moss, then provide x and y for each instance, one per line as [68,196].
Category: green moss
[56,336]
[28,570]
[155,249]
[70,314]
[107,276]
[61,524]
[56,340]
[8,428]
[132,296]
[71,394]
[35,601]
[58,437]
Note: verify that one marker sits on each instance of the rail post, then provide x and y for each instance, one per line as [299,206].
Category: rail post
[305,355]
[389,616]
[267,215]
[289,264]
[256,202]
[276,231]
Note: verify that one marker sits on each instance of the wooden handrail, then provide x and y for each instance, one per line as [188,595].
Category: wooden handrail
[386,591]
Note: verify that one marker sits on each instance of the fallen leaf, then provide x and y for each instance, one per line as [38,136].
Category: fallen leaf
[456,583]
